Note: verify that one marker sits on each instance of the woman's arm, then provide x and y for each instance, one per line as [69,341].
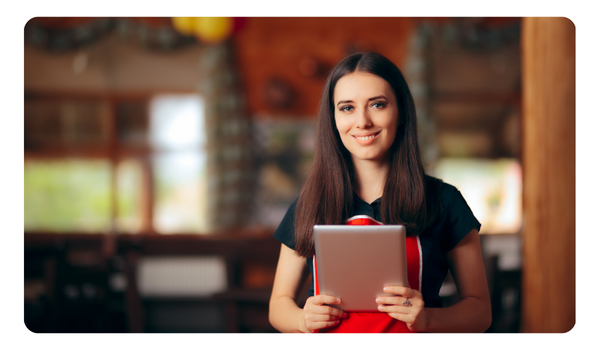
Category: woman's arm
[473,313]
[284,313]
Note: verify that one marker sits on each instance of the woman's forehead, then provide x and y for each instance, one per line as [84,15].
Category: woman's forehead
[361,85]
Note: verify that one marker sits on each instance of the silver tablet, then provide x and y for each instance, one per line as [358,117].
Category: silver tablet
[354,263]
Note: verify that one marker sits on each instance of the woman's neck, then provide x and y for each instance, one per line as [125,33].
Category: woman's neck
[370,179]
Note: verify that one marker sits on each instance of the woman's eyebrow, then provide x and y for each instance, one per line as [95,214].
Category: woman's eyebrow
[377,98]
[346,101]
[371,99]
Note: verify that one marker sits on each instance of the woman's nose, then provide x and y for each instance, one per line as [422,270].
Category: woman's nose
[363,119]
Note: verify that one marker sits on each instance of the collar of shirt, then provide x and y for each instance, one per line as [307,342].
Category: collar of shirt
[363,208]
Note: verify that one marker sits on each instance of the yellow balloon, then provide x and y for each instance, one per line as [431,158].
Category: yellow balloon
[184,25]
[213,29]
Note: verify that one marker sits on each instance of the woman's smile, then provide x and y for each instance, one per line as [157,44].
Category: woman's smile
[366,139]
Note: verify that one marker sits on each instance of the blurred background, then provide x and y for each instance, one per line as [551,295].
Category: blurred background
[160,154]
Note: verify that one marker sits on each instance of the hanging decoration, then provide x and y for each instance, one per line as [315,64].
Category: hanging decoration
[155,34]
[61,34]
[209,30]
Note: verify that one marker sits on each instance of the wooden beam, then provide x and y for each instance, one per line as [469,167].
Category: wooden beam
[476,97]
[548,303]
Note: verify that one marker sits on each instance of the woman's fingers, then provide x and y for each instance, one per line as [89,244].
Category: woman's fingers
[405,305]
[315,326]
[412,301]
[330,311]
[404,296]
[403,291]
[317,305]
[324,299]
[317,314]
[320,325]
[322,317]
[394,309]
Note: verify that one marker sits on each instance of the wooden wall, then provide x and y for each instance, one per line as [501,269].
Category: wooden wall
[548,48]
[113,66]
[286,48]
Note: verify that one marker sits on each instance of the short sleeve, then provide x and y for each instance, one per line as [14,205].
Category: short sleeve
[459,219]
[285,231]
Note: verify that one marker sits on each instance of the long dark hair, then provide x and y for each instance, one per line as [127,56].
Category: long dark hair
[327,198]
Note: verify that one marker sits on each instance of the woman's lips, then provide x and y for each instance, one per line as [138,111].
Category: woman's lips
[366,139]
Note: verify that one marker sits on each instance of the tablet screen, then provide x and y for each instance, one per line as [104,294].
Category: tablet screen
[354,263]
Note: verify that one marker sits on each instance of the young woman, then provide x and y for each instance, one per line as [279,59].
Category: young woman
[367,170]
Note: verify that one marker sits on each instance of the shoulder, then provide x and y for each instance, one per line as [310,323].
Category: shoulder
[451,205]
[443,191]
[453,200]
[449,194]
[457,218]
[285,231]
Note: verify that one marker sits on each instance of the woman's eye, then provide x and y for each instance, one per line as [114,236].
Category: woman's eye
[378,105]
[346,109]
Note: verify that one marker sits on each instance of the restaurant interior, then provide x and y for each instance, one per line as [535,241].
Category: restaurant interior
[161,153]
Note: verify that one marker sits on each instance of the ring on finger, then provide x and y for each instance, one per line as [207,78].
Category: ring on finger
[407,302]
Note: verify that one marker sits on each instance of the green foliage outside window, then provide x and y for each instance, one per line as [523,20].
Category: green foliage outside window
[69,195]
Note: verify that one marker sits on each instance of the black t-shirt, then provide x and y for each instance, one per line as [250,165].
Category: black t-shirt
[453,223]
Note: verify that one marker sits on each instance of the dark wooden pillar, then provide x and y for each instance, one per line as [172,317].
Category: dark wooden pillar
[548,49]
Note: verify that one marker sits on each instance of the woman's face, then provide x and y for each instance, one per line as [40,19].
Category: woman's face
[366,115]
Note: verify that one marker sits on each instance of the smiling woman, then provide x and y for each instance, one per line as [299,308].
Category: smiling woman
[367,170]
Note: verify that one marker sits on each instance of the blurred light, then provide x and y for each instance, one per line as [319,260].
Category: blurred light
[210,30]
[180,181]
[492,188]
[181,276]
[181,201]
[184,25]
[177,122]
[129,190]
[213,29]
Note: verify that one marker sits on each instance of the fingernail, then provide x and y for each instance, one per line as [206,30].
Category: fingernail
[377,300]
[386,289]
[338,300]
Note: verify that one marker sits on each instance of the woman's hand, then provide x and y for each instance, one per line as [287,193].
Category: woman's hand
[412,313]
[317,315]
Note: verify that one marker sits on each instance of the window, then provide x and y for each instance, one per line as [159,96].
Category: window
[69,194]
[133,164]
[179,166]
